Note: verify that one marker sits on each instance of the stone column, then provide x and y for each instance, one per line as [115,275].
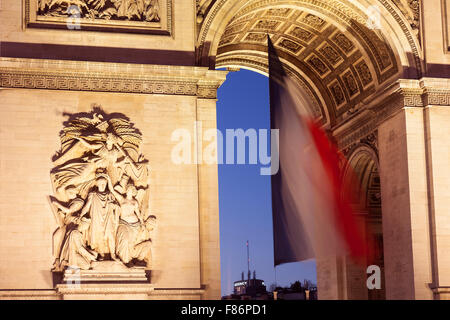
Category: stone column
[437,133]
[208,191]
[330,278]
[415,177]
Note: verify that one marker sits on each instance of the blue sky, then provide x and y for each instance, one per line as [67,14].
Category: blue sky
[244,195]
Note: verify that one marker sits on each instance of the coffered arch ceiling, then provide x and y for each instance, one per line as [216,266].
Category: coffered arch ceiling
[325,45]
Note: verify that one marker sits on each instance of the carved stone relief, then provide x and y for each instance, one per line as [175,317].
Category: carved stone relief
[256,37]
[318,65]
[364,73]
[314,21]
[337,93]
[290,45]
[267,24]
[350,83]
[330,54]
[411,11]
[278,12]
[138,10]
[101,191]
[302,34]
[343,42]
[142,16]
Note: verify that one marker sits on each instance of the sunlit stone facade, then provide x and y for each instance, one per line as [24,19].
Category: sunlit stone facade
[377,73]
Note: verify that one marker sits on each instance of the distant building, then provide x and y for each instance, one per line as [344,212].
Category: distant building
[292,294]
[250,288]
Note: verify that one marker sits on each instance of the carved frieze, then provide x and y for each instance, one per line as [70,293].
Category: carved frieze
[207,92]
[105,77]
[139,10]
[139,16]
[14,79]
[411,11]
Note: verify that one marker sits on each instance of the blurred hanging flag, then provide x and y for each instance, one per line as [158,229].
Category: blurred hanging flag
[311,219]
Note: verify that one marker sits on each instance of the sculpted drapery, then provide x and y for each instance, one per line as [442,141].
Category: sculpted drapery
[133,10]
[100,201]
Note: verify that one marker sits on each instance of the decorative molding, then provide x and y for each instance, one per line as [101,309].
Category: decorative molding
[260,64]
[350,83]
[427,92]
[368,141]
[116,288]
[411,10]
[364,73]
[343,42]
[346,13]
[330,54]
[321,54]
[301,34]
[28,294]
[290,46]
[34,80]
[207,92]
[318,65]
[109,77]
[337,93]
[371,140]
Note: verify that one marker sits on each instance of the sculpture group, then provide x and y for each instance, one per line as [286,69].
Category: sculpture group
[100,202]
[133,10]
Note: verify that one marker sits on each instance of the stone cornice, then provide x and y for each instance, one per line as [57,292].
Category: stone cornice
[109,77]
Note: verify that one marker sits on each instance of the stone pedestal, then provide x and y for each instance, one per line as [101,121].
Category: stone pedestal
[106,272]
[106,280]
[104,291]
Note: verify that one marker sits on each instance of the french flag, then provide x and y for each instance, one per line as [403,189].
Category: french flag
[311,217]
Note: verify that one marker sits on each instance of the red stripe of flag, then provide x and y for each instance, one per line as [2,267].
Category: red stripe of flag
[344,215]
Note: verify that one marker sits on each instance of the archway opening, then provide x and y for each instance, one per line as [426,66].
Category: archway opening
[363,165]
[342,59]
[245,194]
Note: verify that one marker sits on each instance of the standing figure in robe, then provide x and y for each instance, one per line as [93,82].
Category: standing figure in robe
[104,213]
[130,242]
[69,241]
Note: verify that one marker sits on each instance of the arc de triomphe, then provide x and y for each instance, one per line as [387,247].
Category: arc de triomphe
[378,76]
